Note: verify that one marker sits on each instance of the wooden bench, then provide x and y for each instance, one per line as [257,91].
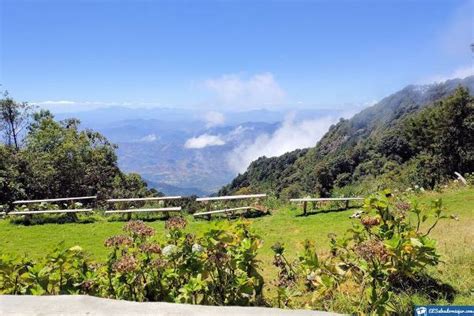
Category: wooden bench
[227,211]
[50,211]
[70,211]
[315,200]
[129,211]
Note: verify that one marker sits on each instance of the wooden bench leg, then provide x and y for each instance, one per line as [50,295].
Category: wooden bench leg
[167,214]
[208,209]
[347,204]
[305,207]
[73,217]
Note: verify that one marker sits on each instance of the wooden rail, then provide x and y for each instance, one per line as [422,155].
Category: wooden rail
[164,209]
[50,212]
[138,210]
[228,211]
[56,200]
[231,197]
[160,198]
[306,200]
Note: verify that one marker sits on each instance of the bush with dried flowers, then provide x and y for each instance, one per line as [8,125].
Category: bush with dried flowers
[388,248]
[219,268]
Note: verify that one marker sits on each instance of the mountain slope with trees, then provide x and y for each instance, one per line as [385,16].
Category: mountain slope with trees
[417,136]
[43,158]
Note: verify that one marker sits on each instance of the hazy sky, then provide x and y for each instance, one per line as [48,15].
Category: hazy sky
[228,54]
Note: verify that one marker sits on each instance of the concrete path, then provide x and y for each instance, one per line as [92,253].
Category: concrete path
[87,305]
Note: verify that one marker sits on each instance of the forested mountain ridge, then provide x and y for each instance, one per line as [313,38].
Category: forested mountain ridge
[381,145]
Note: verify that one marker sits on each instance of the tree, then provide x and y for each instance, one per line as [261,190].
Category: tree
[14,118]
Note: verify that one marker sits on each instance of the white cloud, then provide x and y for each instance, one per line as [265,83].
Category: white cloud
[461,72]
[149,138]
[203,141]
[214,118]
[290,136]
[258,90]
[238,131]
[57,102]
[73,106]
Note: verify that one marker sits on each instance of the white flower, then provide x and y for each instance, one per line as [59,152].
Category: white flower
[311,276]
[169,250]
[197,248]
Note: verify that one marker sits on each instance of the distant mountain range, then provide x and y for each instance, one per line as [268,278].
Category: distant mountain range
[182,151]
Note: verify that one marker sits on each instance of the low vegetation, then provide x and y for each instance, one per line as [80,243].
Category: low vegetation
[385,261]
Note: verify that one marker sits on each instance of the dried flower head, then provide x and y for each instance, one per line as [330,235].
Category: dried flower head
[87,285]
[372,249]
[403,206]
[370,221]
[126,264]
[176,223]
[158,263]
[138,228]
[150,248]
[117,241]
[218,255]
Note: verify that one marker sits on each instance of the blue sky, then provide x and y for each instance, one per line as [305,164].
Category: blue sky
[228,54]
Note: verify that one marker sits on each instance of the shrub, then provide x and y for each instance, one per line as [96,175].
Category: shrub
[218,269]
[387,252]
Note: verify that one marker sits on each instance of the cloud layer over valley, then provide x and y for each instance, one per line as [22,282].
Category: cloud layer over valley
[289,136]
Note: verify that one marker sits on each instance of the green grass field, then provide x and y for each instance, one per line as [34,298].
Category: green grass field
[455,238]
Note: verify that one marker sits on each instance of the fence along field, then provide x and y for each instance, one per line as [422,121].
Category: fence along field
[125,205]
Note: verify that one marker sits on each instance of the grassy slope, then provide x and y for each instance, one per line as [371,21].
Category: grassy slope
[456,238]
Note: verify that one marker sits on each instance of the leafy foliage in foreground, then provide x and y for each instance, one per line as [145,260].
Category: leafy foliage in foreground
[383,255]
[378,266]
[218,269]
[403,141]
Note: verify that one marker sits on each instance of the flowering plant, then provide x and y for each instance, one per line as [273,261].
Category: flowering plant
[219,268]
[388,250]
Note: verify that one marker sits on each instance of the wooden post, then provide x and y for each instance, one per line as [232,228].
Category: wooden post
[208,209]
[129,215]
[73,216]
[305,206]
[167,214]
[347,204]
